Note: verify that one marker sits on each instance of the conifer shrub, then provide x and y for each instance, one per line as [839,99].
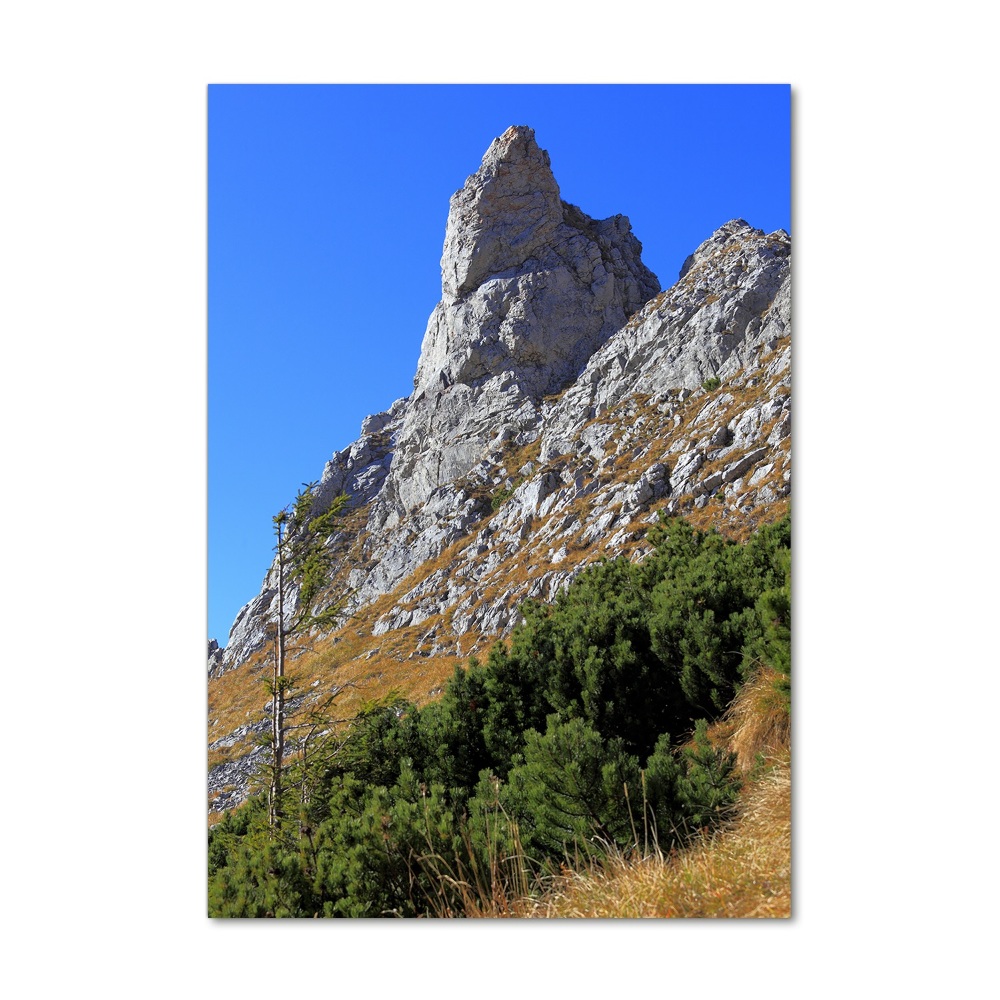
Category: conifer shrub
[502,495]
[589,733]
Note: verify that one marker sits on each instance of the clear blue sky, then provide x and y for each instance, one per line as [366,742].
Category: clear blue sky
[326,215]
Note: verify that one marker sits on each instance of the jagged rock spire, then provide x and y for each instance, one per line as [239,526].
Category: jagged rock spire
[506,210]
[531,286]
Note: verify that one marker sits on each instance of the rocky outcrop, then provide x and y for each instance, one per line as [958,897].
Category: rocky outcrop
[561,401]
[732,299]
[531,287]
[215,658]
[360,469]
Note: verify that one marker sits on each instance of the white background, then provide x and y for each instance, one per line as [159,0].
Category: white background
[102,178]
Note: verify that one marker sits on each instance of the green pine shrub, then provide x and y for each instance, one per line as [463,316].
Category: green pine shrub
[588,734]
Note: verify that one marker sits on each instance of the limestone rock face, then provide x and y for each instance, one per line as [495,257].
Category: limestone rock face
[531,287]
[732,299]
[509,208]
[424,470]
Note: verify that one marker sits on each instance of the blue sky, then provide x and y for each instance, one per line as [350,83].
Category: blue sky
[326,216]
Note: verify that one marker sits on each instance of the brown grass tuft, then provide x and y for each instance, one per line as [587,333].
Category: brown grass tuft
[742,871]
[757,724]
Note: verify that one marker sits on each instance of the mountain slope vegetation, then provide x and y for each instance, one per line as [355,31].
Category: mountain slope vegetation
[587,737]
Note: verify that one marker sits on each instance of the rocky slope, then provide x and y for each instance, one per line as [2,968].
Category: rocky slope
[560,402]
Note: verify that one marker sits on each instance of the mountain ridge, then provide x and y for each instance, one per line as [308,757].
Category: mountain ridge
[560,402]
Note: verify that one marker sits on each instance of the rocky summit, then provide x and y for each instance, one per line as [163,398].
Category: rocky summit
[561,402]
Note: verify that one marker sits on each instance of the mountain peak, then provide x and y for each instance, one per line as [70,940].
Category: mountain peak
[506,210]
[531,285]
[515,145]
[531,288]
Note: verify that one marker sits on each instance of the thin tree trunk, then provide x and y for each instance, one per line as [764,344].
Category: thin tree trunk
[278,704]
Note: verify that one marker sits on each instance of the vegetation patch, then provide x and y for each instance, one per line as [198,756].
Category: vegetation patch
[585,739]
[503,494]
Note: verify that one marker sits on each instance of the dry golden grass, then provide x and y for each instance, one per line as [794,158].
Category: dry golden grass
[743,870]
[757,724]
